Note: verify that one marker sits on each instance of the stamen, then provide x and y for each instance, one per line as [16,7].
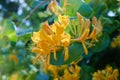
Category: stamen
[66,54]
[71,30]
[84,35]
[93,33]
[74,27]
[94,20]
[55,54]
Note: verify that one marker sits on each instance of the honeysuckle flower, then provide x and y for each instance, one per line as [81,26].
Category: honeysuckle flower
[50,38]
[69,72]
[97,28]
[36,37]
[107,74]
[65,43]
[64,20]
[54,70]
[13,58]
[116,42]
[84,31]
[56,9]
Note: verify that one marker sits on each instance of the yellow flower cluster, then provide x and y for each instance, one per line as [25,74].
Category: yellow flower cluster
[69,73]
[84,31]
[50,38]
[108,74]
[116,42]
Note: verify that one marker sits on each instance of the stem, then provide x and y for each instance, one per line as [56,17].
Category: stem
[71,30]
[74,28]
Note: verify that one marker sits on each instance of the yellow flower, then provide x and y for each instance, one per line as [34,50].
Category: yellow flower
[107,74]
[64,20]
[36,37]
[84,31]
[116,42]
[65,43]
[97,24]
[50,38]
[60,37]
[14,76]
[72,73]
[59,27]
[69,73]
[13,58]
[56,9]
[54,70]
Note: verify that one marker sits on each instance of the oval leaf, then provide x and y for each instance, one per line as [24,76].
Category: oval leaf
[85,10]
[75,53]
[103,43]
[73,8]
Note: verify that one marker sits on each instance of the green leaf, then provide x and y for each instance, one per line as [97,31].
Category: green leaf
[85,10]
[99,8]
[105,20]
[109,25]
[73,8]
[44,14]
[31,76]
[9,30]
[25,37]
[103,42]
[86,72]
[75,53]
[3,41]
[110,28]
[41,3]
[87,1]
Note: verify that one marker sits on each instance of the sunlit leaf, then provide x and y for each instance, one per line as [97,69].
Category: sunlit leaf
[9,30]
[44,14]
[87,1]
[73,8]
